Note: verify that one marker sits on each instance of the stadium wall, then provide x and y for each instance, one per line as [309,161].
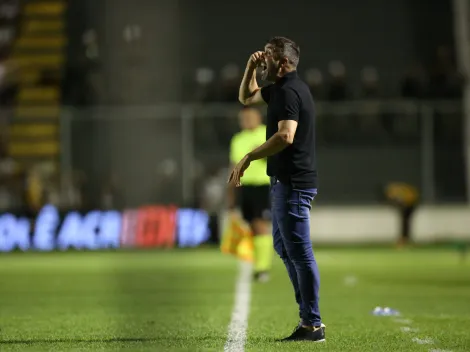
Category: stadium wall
[441,223]
[157,226]
[382,224]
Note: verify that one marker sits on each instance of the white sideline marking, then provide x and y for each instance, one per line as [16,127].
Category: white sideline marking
[350,280]
[237,329]
[425,341]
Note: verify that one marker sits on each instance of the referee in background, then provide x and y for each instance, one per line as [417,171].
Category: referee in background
[290,148]
[253,196]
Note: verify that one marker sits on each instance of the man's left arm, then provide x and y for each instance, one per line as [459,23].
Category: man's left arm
[287,107]
[277,143]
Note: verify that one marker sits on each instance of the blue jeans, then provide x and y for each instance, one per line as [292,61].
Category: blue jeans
[291,235]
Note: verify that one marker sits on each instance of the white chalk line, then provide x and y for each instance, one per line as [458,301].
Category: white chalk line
[420,341]
[237,329]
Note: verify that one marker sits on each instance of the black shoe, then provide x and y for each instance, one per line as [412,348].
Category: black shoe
[323,326]
[301,333]
[262,276]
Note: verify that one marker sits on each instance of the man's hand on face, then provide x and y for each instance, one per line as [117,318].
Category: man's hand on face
[256,59]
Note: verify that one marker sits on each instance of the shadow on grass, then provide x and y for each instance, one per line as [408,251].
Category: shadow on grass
[112,340]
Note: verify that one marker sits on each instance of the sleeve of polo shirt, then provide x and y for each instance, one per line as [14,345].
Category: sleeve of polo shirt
[266,93]
[287,105]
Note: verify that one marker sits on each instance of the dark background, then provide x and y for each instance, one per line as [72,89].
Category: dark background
[180,36]
[359,150]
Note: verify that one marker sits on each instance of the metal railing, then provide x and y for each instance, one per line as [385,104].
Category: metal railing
[168,154]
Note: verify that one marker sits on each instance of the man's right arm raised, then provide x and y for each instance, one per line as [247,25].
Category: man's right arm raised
[250,92]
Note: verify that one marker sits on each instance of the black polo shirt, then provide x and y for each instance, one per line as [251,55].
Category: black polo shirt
[290,99]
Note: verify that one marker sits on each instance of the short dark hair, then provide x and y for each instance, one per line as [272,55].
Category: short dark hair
[287,48]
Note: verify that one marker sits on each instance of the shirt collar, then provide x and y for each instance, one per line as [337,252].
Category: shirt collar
[287,76]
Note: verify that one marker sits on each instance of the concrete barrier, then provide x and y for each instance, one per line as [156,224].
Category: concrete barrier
[382,224]
[441,223]
[349,224]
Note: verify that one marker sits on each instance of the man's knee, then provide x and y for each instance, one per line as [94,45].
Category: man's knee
[301,253]
[296,234]
[280,250]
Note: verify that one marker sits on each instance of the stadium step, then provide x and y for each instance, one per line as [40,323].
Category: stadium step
[43,42]
[34,77]
[39,52]
[45,8]
[44,51]
[44,61]
[37,112]
[41,27]
[53,61]
[27,162]
[34,149]
[22,131]
[28,77]
[50,95]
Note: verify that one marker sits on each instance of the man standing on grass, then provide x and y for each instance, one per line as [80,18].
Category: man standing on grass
[290,149]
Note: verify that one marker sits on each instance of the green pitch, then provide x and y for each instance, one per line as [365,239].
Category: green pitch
[182,300]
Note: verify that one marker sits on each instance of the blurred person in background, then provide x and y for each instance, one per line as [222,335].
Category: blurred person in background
[71,190]
[414,83]
[370,83]
[9,9]
[229,83]
[314,80]
[337,87]
[111,195]
[34,190]
[84,79]
[166,172]
[206,130]
[337,90]
[205,91]
[211,186]
[9,16]
[9,20]
[445,81]
[42,186]
[10,178]
[253,196]
[227,93]
[9,82]
[405,198]
[75,89]
[8,166]
[52,191]
[369,119]
[6,197]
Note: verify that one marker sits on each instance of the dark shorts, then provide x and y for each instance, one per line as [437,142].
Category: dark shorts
[254,202]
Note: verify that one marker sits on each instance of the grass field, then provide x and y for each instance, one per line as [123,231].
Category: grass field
[182,300]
